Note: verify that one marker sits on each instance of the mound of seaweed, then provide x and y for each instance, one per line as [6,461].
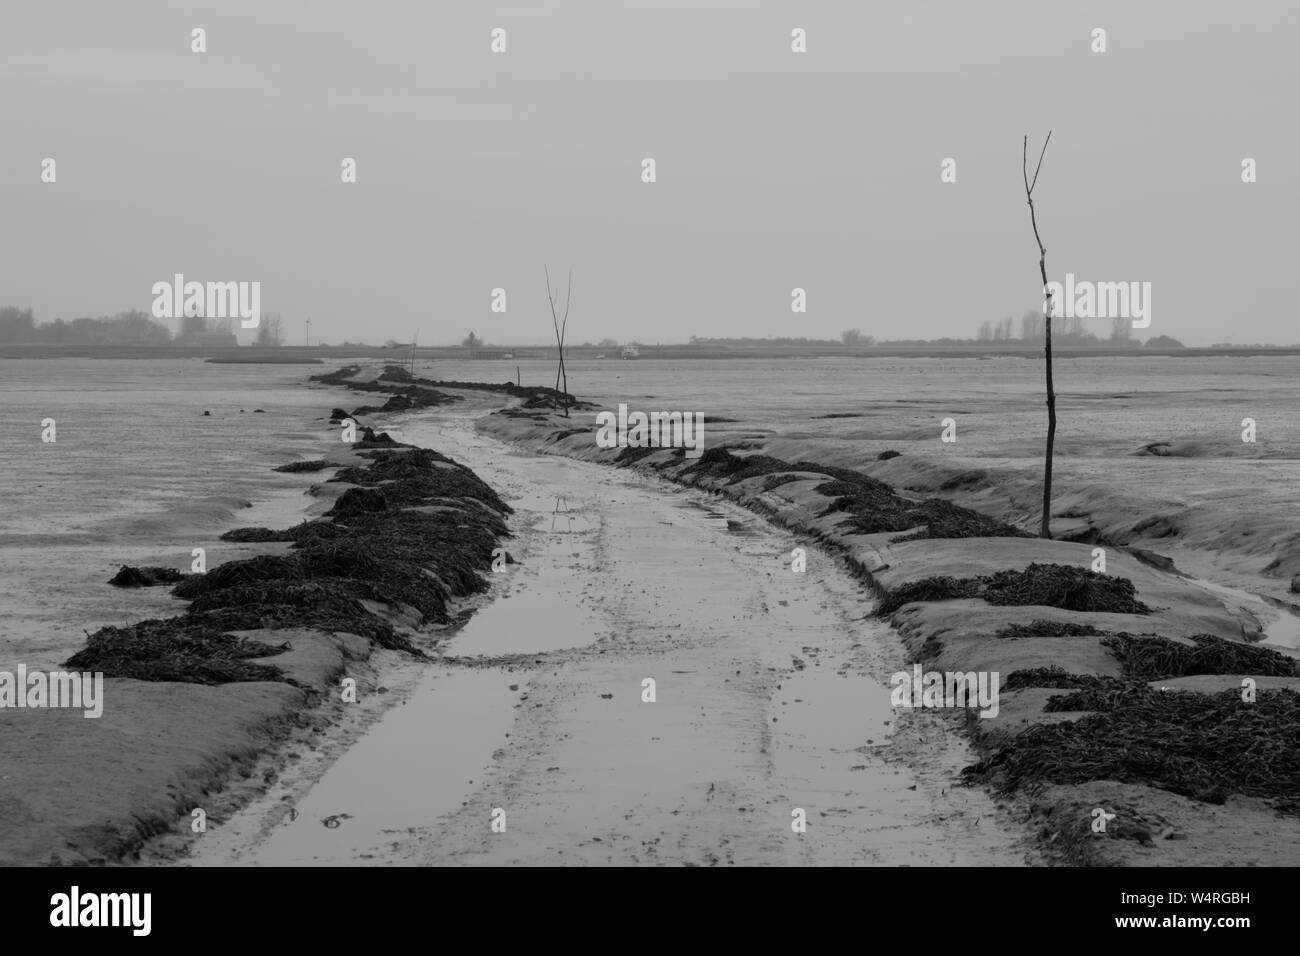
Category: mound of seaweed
[168,650]
[870,505]
[1108,694]
[1202,746]
[1091,691]
[414,388]
[941,588]
[1065,586]
[319,464]
[360,501]
[1053,677]
[1049,629]
[1158,658]
[130,577]
[407,559]
[1050,585]
[340,376]
[403,399]
[383,440]
[317,605]
[420,475]
[535,396]
[1065,832]
[324,530]
[339,575]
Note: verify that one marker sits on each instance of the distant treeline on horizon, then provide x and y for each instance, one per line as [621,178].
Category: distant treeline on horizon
[19,327]
[136,328]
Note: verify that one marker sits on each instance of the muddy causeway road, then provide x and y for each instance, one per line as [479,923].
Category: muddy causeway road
[771,696]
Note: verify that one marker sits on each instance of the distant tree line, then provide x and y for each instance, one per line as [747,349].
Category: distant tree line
[19,327]
[1067,331]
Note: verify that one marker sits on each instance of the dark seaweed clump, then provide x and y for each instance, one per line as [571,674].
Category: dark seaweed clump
[1049,585]
[870,505]
[420,476]
[319,464]
[324,530]
[1050,629]
[1203,746]
[1158,658]
[129,577]
[1064,586]
[941,588]
[1051,677]
[416,532]
[411,386]
[158,650]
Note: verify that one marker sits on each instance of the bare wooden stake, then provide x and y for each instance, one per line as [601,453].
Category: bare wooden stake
[1045,530]
[560,328]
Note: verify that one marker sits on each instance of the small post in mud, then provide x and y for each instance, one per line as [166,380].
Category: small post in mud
[560,327]
[1045,530]
[518,383]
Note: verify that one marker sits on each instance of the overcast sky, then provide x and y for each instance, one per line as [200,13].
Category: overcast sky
[775,170]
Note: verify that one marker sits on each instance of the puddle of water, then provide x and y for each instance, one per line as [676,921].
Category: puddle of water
[821,711]
[528,622]
[425,753]
[1279,620]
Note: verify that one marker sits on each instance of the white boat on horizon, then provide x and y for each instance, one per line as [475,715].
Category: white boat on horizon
[631,352]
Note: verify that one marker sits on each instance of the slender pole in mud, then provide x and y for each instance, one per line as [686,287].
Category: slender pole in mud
[1045,531]
[560,328]
[517,381]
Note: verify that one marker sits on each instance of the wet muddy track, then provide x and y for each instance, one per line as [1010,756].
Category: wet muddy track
[771,702]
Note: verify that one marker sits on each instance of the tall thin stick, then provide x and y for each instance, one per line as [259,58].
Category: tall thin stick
[560,328]
[1045,530]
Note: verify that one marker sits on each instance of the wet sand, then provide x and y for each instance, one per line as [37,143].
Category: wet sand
[771,696]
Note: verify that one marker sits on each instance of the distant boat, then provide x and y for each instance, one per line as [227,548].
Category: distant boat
[631,352]
[508,355]
[601,355]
